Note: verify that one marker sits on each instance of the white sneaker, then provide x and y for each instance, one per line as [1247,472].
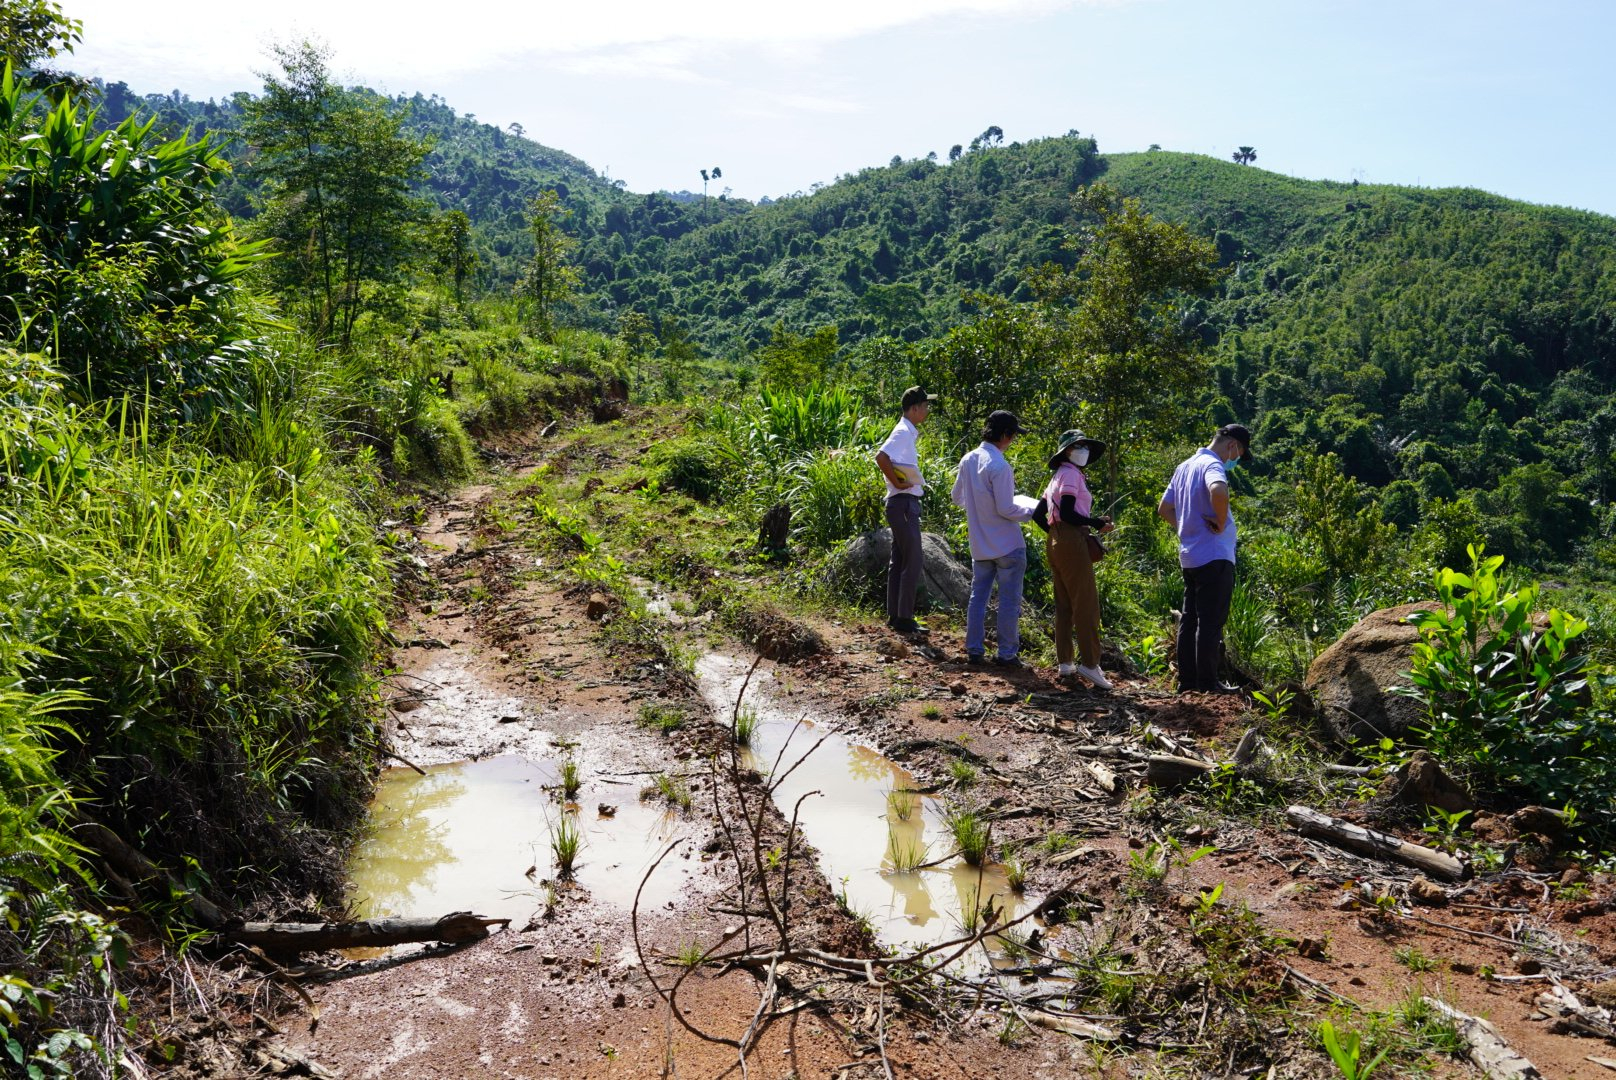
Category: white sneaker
[1095,676]
[1066,669]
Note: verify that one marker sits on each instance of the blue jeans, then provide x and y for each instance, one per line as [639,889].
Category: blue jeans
[1007,570]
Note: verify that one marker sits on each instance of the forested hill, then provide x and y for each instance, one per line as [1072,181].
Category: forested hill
[1439,341]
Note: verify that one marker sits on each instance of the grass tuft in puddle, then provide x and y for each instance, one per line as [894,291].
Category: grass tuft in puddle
[565,841]
[902,804]
[746,726]
[972,835]
[670,789]
[571,780]
[905,853]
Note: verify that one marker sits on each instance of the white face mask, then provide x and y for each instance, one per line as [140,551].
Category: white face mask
[1079,455]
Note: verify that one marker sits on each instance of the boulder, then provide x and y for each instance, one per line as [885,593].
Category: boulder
[859,571]
[1348,681]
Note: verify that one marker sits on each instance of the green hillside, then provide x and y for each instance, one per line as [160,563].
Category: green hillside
[1437,340]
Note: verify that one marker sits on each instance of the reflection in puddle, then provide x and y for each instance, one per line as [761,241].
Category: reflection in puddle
[461,837]
[848,821]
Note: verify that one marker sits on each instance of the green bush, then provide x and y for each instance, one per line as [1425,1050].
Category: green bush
[697,467]
[837,494]
[1505,699]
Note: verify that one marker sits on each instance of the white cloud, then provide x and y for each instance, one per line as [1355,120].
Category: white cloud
[413,41]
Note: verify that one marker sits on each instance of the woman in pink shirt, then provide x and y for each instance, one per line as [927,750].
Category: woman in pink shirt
[1066,515]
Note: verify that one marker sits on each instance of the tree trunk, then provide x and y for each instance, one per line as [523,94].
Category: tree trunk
[451,929]
[1377,844]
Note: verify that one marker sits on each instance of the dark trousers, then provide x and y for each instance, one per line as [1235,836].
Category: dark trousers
[1207,592]
[903,573]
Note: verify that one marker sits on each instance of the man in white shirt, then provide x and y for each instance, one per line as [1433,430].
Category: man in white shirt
[986,488]
[899,461]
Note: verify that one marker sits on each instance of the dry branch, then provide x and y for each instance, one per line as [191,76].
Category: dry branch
[1377,844]
[1485,1048]
[1568,1011]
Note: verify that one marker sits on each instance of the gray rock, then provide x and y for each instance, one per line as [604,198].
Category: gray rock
[1348,681]
[859,571]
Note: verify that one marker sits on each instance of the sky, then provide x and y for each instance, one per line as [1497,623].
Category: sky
[1509,97]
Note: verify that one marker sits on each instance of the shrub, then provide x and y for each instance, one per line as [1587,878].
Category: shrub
[1504,698]
[837,495]
[695,467]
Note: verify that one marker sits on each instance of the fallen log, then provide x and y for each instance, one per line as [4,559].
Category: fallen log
[1170,770]
[454,928]
[1380,845]
[1485,1048]
[128,861]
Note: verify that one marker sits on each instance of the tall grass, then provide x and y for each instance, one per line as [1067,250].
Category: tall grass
[215,619]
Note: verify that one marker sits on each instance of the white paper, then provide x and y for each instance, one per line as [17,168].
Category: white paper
[1027,503]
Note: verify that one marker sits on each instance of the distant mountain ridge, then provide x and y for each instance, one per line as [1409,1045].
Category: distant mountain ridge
[1443,340]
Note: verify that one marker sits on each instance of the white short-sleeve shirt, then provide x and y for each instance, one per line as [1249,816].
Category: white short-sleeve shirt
[903,448]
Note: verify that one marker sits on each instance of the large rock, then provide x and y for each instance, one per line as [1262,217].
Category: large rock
[1348,681]
[859,571]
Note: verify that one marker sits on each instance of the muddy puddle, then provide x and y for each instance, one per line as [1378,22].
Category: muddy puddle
[464,836]
[853,827]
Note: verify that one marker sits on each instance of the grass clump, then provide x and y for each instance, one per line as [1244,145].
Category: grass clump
[905,853]
[566,839]
[663,718]
[746,726]
[972,835]
[571,781]
[670,789]
[902,804]
[963,773]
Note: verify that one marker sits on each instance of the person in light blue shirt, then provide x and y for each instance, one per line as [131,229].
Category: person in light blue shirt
[1196,505]
[985,487]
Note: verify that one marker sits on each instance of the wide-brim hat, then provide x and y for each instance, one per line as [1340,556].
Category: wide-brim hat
[1073,438]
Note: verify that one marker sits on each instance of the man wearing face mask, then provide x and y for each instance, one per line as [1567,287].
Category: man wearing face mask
[1196,504]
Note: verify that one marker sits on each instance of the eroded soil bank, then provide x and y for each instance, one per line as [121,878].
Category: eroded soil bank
[1190,934]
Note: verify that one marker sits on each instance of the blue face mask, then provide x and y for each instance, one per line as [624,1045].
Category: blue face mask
[1235,464]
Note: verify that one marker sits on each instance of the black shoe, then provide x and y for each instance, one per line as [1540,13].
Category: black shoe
[975,659]
[1014,662]
[906,626]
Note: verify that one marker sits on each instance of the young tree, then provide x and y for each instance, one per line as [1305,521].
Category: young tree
[1245,155]
[550,279]
[337,170]
[452,249]
[1128,363]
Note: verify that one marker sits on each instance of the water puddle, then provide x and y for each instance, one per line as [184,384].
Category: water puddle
[850,826]
[462,837]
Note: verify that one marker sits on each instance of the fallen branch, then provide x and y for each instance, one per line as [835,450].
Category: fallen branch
[1380,845]
[1569,1013]
[451,929]
[131,863]
[1485,1048]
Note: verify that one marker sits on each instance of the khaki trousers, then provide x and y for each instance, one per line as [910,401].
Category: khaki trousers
[1077,603]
